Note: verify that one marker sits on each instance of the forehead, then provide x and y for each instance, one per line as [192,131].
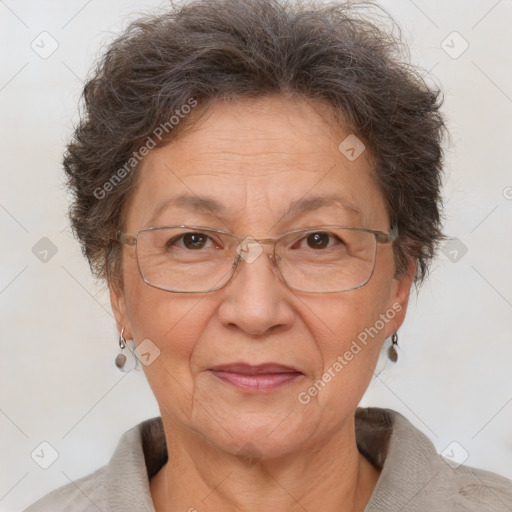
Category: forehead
[257,159]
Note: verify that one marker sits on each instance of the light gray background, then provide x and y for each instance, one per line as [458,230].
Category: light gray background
[58,339]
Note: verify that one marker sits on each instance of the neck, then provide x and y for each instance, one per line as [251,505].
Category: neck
[332,477]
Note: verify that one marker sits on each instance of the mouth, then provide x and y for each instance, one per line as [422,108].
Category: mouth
[256,378]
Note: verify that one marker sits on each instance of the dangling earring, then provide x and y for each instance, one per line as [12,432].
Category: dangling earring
[120,360]
[392,353]
[126,360]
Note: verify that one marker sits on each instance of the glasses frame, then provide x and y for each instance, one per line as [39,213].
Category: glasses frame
[380,237]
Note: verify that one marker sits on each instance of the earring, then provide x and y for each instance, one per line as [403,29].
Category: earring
[126,360]
[120,360]
[392,353]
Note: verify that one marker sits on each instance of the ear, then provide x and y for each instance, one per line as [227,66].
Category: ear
[118,303]
[399,298]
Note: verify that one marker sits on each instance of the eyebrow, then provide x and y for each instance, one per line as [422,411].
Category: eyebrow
[210,205]
[310,203]
[190,202]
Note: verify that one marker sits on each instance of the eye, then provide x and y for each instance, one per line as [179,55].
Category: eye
[192,241]
[317,240]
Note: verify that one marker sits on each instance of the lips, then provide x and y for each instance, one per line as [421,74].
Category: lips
[256,378]
[260,369]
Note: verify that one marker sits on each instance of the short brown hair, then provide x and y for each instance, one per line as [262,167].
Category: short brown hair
[209,50]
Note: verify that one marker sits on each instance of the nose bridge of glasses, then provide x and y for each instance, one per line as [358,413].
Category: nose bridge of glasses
[249,248]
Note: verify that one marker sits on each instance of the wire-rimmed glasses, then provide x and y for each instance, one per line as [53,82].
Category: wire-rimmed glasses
[194,259]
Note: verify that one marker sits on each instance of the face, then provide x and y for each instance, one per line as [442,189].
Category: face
[255,158]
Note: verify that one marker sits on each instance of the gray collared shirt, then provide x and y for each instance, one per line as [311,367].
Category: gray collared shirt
[414,478]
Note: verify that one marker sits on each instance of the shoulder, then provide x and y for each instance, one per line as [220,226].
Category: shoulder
[471,489]
[84,495]
[415,478]
[123,484]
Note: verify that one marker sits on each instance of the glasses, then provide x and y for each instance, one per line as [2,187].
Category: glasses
[322,259]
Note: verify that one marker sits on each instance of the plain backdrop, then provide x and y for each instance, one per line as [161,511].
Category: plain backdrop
[58,339]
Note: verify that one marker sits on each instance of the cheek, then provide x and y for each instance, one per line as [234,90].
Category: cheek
[350,329]
[352,318]
[173,322]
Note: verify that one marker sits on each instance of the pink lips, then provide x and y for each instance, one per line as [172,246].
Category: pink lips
[256,378]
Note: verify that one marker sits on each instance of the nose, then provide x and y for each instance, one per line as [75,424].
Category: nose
[255,299]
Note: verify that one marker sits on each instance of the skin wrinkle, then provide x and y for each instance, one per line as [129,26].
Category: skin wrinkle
[302,207]
[349,199]
[256,318]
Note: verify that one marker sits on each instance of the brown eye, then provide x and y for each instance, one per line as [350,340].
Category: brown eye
[318,240]
[194,240]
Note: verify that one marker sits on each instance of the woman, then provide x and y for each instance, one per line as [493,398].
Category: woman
[259,183]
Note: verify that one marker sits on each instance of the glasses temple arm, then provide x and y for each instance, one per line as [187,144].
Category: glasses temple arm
[125,239]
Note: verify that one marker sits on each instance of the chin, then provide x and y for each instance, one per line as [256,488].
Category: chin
[262,435]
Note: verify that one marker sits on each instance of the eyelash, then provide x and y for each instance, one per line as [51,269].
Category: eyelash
[172,242]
